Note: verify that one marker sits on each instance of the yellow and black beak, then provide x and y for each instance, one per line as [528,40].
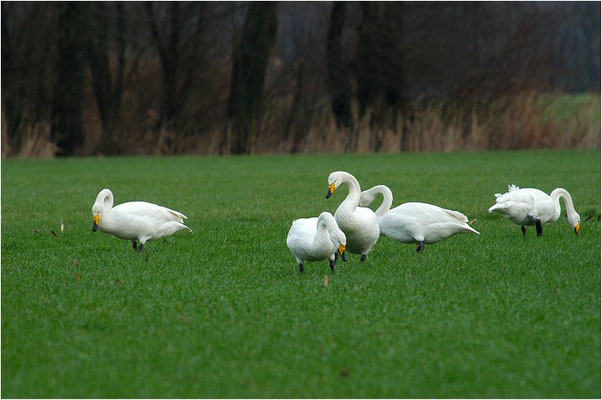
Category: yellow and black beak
[577,228]
[342,252]
[331,188]
[95,226]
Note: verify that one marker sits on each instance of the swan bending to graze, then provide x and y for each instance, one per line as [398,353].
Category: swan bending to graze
[358,223]
[415,222]
[135,220]
[316,239]
[534,207]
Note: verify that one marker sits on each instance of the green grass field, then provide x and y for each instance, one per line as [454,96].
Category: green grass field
[224,312]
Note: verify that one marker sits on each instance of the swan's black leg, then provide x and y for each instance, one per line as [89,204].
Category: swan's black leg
[523,230]
[420,246]
[134,244]
[336,256]
[363,258]
[140,247]
[301,267]
[332,266]
[538,227]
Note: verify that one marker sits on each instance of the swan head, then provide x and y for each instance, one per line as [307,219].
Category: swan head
[574,220]
[334,180]
[339,240]
[102,205]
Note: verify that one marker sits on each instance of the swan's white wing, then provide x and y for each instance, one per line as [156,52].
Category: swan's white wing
[518,205]
[423,221]
[522,198]
[301,241]
[142,221]
[150,210]
[403,227]
[303,228]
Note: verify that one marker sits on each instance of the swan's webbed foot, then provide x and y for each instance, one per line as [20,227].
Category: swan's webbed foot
[301,267]
[134,244]
[523,230]
[420,247]
[332,266]
[363,258]
[140,248]
[538,227]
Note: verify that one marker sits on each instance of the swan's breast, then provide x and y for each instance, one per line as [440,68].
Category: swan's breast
[360,227]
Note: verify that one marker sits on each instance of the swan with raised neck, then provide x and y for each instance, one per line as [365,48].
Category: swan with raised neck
[358,223]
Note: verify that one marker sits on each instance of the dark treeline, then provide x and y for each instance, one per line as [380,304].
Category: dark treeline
[113,78]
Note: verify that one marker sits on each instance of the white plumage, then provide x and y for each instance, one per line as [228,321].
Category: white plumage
[316,239]
[136,220]
[358,223]
[533,207]
[415,222]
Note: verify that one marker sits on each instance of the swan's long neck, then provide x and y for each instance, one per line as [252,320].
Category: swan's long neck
[107,202]
[322,232]
[558,194]
[387,198]
[353,197]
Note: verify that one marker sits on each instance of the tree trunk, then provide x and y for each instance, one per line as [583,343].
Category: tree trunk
[245,103]
[67,104]
[108,89]
[338,77]
[295,126]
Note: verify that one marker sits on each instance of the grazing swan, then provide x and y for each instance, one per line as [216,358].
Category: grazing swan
[135,220]
[316,239]
[534,207]
[358,223]
[415,222]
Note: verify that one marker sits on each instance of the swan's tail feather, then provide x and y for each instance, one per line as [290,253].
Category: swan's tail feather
[457,215]
[179,217]
[471,229]
[511,188]
[498,207]
[182,227]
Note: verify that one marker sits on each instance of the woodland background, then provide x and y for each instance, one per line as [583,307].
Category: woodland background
[129,78]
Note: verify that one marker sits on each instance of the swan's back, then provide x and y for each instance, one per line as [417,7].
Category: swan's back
[143,221]
[301,243]
[149,210]
[302,228]
[519,205]
[422,221]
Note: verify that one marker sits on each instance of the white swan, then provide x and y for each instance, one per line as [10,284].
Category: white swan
[135,220]
[534,207]
[316,239]
[358,223]
[415,222]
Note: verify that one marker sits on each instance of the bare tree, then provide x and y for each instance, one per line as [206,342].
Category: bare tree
[108,87]
[338,71]
[245,104]
[175,45]
[67,104]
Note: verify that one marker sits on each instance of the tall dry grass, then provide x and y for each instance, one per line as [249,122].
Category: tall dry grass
[525,121]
